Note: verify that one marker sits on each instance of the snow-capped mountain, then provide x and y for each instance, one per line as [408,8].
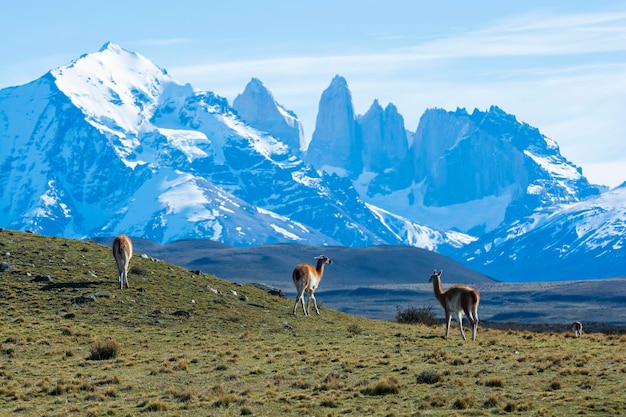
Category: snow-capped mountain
[111,143]
[91,160]
[585,239]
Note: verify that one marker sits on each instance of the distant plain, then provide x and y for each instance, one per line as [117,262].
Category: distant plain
[375,281]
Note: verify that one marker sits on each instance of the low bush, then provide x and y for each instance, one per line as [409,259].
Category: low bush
[495,382]
[104,349]
[385,386]
[463,403]
[428,377]
[414,315]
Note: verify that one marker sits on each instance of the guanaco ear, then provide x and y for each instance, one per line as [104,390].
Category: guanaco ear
[440,272]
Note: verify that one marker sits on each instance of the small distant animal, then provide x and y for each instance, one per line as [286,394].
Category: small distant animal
[457,299]
[307,278]
[122,252]
[577,328]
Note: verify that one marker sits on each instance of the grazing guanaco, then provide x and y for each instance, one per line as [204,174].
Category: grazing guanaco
[122,252]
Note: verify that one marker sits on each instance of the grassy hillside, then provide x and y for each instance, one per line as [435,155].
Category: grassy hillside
[71,343]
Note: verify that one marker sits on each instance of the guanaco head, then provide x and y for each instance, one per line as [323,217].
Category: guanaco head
[324,259]
[435,275]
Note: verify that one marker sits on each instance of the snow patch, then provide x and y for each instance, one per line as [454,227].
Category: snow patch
[181,194]
[461,217]
[186,141]
[284,232]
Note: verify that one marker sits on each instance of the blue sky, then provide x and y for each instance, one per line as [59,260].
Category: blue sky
[559,66]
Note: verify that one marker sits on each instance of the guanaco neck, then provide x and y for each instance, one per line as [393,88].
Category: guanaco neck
[320,267]
[437,288]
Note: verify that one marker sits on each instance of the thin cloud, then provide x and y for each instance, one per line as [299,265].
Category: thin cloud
[570,35]
[574,34]
[576,79]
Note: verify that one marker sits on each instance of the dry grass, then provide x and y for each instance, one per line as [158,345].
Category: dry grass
[183,350]
[104,349]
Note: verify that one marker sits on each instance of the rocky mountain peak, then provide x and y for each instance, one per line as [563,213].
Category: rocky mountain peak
[257,107]
[110,46]
[334,145]
[462,158]
[383,137]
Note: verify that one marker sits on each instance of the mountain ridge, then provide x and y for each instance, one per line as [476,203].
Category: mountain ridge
[111,143]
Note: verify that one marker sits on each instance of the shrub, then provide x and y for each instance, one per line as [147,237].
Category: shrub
[329,382]
[157,405]
[182,365]
[491,402]
[137,270]
[436,401]
[428,377]
[104,349]
[554,386]
[355,329]
[224,401]
[463,403]
[111,392]
[184,396]
[61,388]
[509,407]
[300,384]
[495,382]
[329,404]
[389,385]
[414,315]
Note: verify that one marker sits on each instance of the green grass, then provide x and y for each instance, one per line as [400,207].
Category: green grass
[171,346]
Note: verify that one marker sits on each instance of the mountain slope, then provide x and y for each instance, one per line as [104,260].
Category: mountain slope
[476,172]
[582,240]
